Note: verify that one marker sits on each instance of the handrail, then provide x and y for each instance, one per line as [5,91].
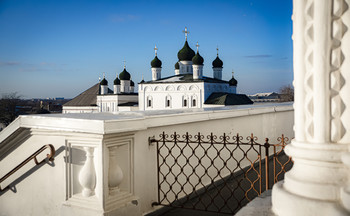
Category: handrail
[50,157]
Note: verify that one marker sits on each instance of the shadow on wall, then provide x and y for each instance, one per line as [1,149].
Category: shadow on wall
[12,185]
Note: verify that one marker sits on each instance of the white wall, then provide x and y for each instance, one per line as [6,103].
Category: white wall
[80,109]
[109,103]
[45,191]
[158,93]
[42,191]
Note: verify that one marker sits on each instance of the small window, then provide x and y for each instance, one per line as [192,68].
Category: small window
[185,103]
[149,103]
[168,101]
[194,102]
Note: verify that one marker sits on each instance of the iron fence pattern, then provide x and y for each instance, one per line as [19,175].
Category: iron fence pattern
[216,173]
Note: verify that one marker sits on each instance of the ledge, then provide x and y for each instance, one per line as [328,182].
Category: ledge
[105,123]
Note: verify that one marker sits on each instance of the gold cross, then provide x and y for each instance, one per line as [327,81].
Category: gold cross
[217,50]
[155,49]
[124,63]
[186,33]
[197,45]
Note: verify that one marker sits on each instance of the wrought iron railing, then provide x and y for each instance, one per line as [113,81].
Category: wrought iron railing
[49,157]
[215,174]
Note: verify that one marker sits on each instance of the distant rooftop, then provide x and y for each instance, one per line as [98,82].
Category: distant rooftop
[223,98]
[89,97]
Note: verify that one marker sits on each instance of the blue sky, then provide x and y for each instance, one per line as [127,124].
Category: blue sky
[61,48]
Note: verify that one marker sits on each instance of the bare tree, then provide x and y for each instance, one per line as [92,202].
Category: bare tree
[8,111]
[287,93]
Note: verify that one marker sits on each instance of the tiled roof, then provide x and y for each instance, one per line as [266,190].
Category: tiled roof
[222,98]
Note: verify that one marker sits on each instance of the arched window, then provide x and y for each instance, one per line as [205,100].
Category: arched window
[194,101]
[168,101]
[184,101]
[149,101]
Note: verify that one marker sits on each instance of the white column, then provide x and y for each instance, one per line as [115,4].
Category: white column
[87,175]
[104,89]
[186,67]
[156,73]
[115,173]
[125,86]
[197,71]
[217,73]
[116,89]
[317,183]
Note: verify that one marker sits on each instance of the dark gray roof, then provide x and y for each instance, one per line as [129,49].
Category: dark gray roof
[128,104]
[185,78]
[87,98]
[222,98]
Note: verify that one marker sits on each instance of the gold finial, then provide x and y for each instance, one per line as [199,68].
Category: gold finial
[155,49]
[197,45]
[104,75]
[124,63]
[217,50]
[186,33]
[232,72]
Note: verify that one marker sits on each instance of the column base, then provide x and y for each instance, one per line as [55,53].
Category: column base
[285,203]
[345,198]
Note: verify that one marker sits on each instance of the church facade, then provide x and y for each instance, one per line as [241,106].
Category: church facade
[100,98]
[188,88]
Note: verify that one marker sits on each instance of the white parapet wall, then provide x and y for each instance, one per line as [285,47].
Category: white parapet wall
[104,163]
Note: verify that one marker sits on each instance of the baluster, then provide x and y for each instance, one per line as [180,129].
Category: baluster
[115,173]
[87,175]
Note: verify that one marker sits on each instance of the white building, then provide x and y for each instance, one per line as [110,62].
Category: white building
[99,98]
[188,88]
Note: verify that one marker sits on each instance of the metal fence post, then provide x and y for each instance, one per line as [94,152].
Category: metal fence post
[267,146]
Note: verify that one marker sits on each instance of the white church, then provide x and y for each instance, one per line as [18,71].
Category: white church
[99,98]
[187,88]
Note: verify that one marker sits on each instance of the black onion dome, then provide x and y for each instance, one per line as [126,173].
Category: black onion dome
[132,83]
[186,53]
[197,59]
[104,82]
[142,81]
[217,63]
[156,63]
[124,75]
[177,66]
[233,82]
[116,81]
